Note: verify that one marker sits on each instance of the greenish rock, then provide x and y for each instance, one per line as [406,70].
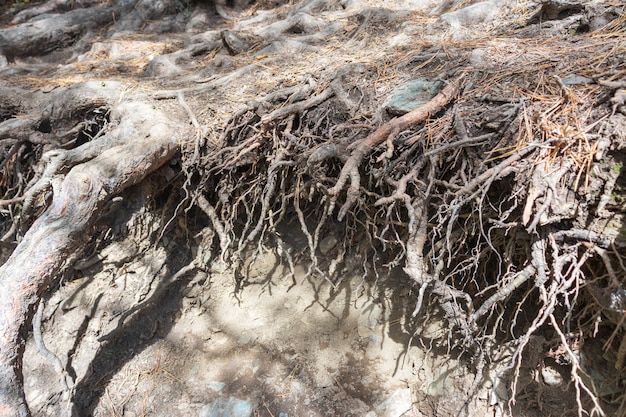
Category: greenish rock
[231,407]
[411,95]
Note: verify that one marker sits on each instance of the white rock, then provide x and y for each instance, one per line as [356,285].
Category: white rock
[551,376]
[470,15]
[398,403]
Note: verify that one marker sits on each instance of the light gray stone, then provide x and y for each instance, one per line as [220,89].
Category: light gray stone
[398,403]
[478,58]
[471,15]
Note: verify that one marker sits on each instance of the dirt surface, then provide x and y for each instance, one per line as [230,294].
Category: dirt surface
[144,345]
[159,313]
[301,348]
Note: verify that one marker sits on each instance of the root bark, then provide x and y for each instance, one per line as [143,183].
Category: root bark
[77,201]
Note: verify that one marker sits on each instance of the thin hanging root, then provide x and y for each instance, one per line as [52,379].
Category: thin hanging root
[268,192]
[386,132]
[502,293]
[196,125]
[219,228]
[578,381]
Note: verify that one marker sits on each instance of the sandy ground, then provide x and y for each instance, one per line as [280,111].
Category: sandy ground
[280,345]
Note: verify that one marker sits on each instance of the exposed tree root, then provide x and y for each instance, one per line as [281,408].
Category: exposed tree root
[386,132]
[502,201]
[143,141]
[437,256]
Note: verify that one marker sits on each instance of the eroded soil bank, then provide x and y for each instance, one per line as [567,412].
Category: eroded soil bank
[313,208]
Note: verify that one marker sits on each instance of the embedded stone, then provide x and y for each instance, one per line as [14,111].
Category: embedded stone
[411,95]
